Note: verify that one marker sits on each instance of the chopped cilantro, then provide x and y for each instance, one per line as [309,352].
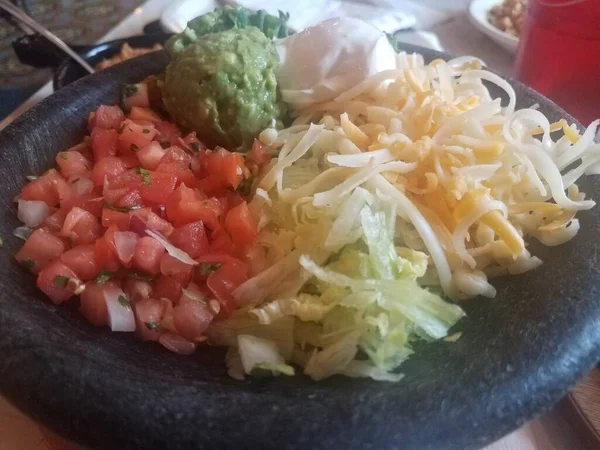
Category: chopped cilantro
[165,144]
[140,276]
[1,242]
[103,276]
[146,180]
[124,301]
[134,148]
[70,241]
[207,268]
[145,131]
[60,281]
[195,146]
[121,129]
[64,155]
[75,181]
[129,90]
[122,209]
[153,326]
[245,187]
[28,263]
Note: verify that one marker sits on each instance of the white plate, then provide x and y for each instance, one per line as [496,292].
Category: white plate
[478,10]
[303,13]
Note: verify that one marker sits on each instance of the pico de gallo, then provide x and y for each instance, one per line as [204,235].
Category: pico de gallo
[144,223]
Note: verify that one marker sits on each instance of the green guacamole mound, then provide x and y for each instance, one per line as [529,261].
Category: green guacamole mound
[223,86]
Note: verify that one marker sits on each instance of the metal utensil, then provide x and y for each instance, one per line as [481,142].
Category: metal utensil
[28,21]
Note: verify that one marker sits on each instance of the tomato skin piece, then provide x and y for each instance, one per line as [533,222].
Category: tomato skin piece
[191,238]
[40,249]
[125,243]
[227,167]
[222,282]
[106,256]
[172,286]
[130,199]
[241,225]
[46,282]
[167,131]
[93,305]
[89,202]
[192,317]
[258,155]
[221,242]
[158,188]
[82,261]
[137,290]
[104,143]
[170,265]
[55,222]
[72,164]
[107,117]
[144,114]
[110,168]
[81,227]
[147,219]
[147,256]
[186,206]
[133,136]
[50,188]
[112,217]
[148,311]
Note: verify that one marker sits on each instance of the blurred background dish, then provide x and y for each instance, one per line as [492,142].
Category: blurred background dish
[479,14]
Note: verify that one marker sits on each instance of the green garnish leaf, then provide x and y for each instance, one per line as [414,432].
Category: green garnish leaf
[134,147]
[122,209]
[1,242]
[60,281]
[153,326]
[273,369]
[121,129]
[145,173]
[64,155]
[70,241]
[129,90]
[124,302]
[393,42]
[146,131]
[245,187]
[207,268]
[140,276]
[195,147]
[165,144]
[28,263]
[104,276]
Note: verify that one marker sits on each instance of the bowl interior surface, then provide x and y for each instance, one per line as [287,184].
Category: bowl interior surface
[517,355]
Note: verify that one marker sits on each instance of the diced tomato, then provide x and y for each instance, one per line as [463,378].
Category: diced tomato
[184,207]
[53,281]
[109,168]
[55,222]
[228,167]
[112,217]
[222,242]
[170,265]
[93,305]
[133,136]
[89,202]
[82,261]
[192,315]
[130,199]
[106,256]
[166,321]
[241,225]
[107,117]
[81,185]
[190,238]
[104,143]
[72,164]
[167,132]
[177,161]
[177,344]
[148,220]
[81,227]
[136,95]
[222,282]
[258,155]
[147,256]
[171,286]
[137,290]
[125,243]
[192,143]
[148,314]
[157,187]
[40,249]
[144,114]
[151,155]
[50,188]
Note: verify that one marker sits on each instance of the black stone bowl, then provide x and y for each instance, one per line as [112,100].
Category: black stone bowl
[518,355]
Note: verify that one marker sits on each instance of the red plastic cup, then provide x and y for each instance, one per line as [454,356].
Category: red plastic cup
[559,54]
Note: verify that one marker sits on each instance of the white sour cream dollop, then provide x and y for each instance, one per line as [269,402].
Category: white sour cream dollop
[323,61]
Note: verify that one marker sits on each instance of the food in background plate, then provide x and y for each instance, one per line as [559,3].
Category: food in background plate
[509,16]
[127,52]
[333,244]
